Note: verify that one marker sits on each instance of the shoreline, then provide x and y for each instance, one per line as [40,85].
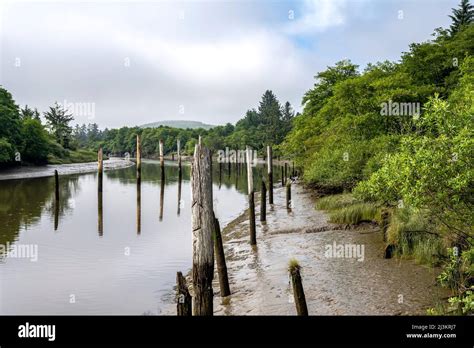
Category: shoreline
[27,172]
[367,285]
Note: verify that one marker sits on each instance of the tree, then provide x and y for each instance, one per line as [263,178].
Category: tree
[269,112]
[35,141]
[27,112]
[58,120]
[462,16]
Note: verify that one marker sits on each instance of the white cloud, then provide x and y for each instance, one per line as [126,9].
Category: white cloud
[318,15]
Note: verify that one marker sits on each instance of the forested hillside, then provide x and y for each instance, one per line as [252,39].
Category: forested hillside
[396,139]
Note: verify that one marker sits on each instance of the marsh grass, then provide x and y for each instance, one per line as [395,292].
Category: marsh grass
[345,209]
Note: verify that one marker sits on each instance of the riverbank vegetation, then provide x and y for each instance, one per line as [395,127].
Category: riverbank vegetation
[399,136]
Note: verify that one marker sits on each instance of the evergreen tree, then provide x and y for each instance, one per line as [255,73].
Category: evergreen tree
[462,16]
[58,120]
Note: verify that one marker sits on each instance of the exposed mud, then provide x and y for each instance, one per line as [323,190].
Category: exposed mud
[63,169]
[368,285]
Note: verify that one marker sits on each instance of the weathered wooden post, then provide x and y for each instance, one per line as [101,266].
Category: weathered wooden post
[220,261]
[179,196]
[179,155]
[282,177]
[263,202]
[270,174]
[139,160]
[100,168]
[253,237]
[56,186]
[183,298]
[203,229]
[286,171]
[293,170]
[298,292]
[162,160]
[288,194]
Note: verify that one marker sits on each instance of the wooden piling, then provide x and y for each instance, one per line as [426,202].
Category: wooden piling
[139,206]
[251,198]
[179,194]
[282,177]
[270,174]
[298,292]
[139,159]
[288,194]
[56,186]
[100,168]
[286,171]
[203,229]
[220,261]
[293,169]
[183,298]
[162,159]
[263,202]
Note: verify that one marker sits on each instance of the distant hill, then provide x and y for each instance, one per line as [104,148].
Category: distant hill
[178,124]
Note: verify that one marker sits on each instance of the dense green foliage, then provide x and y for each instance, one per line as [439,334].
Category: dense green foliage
[24,139]
[400,136]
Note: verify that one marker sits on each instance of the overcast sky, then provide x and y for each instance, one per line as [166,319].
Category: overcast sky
[137,62]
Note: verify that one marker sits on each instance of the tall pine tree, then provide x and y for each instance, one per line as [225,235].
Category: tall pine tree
[462,16]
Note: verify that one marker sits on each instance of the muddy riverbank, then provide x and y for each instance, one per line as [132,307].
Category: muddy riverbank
[360,284]
[63,169]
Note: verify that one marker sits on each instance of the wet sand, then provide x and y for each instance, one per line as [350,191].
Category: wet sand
[63,169]
[333,286]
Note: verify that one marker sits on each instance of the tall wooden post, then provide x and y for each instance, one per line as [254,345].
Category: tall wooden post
[263,202]
[139,160]
[179,194]
[220,261]
[286,172]
[183,298]
[288,194]
[179,156]
[56,186]
[282,177]
[203,229]
[298,292]
[100,168]
[162,160]
[270,174]
[253,236]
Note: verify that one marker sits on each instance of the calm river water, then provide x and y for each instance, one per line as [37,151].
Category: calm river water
[123,261]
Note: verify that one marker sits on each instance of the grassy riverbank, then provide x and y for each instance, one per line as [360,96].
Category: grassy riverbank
[410,235]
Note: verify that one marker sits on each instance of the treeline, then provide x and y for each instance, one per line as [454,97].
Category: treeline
[269,124]
[399,136]
[24,138]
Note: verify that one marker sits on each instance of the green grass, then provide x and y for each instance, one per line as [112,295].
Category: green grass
[293,266]
[410,233]
[335,201]
[78,156]
[345,209]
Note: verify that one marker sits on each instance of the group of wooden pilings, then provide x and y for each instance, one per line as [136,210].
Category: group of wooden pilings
[207,239]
